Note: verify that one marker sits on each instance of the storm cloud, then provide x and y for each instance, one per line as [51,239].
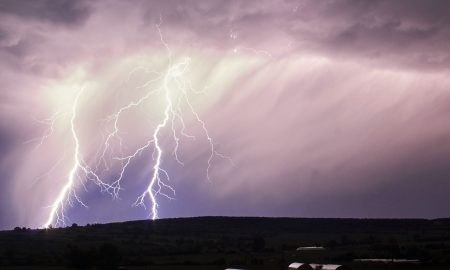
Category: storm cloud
[327,108]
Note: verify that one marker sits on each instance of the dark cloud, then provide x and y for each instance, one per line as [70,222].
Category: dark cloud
[391,32]
[65,12]
[17,49]
[413,34]
[26,29]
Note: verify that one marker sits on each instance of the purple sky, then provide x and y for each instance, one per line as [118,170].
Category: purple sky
[326,108]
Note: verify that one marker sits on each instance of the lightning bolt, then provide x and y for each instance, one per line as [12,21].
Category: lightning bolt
[57,208]
[175,89]
[173,72]
[68,192]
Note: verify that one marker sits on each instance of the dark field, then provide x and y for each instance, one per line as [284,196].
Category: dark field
[221,242]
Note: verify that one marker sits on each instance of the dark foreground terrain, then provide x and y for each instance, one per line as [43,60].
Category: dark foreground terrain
[221,242]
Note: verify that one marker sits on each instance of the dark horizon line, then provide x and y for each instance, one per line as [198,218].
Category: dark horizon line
[236,217]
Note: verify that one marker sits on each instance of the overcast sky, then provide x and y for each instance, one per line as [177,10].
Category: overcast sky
[326,108]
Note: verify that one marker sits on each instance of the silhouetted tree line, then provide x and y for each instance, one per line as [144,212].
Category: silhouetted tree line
[23,229]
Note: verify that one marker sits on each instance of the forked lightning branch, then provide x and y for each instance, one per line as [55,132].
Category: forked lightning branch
[171,83]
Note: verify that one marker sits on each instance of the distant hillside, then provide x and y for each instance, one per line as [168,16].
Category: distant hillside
[220,242]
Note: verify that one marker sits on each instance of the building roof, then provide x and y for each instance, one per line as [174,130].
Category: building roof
[297,265]
[313,266]
[331,267]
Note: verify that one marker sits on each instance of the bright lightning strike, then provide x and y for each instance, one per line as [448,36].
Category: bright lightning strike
[173,85]
[67,193]
[57,209]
